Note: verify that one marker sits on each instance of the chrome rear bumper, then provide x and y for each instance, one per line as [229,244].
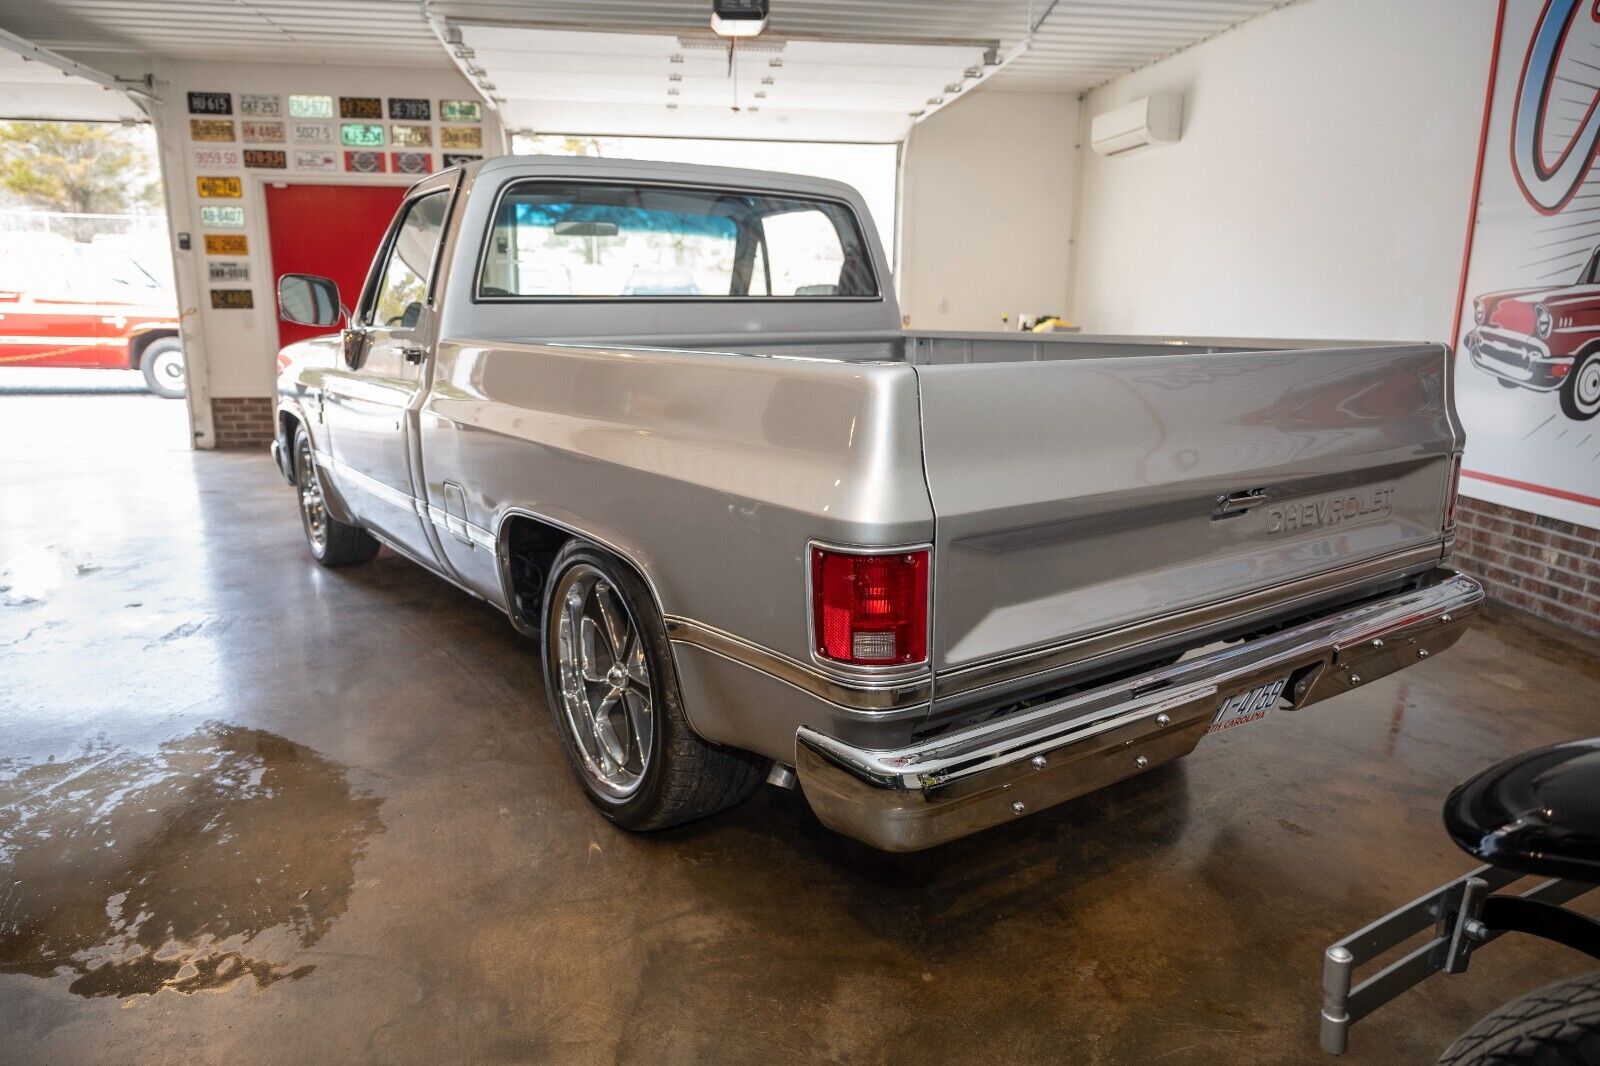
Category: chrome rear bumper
[954,785]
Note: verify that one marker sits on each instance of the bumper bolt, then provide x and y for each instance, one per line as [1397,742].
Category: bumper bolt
[1141,762]
[1018,807]
[1422,653]
[1163,720]
[1039,762]
[1378,642]
[1355,679]
[1444,618]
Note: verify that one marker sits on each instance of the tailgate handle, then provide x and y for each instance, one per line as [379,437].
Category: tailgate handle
[1237,503]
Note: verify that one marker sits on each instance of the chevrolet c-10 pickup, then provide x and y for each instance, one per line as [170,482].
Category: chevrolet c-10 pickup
[666,418]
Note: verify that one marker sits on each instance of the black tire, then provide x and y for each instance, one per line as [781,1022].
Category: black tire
[683,778]
[332,542]
[1559,1025]
[161,362]
[1580,393]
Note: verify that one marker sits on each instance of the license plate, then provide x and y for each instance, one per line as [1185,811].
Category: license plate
[1250,706]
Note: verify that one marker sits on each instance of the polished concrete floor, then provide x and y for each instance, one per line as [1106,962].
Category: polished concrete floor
[254,811]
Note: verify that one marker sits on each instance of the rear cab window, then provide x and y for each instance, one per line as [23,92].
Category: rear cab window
[623,241]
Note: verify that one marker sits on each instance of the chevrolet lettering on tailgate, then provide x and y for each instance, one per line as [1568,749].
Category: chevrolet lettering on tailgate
[1330,510]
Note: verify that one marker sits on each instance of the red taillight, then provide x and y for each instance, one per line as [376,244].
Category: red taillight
[1455,490]
[870,610]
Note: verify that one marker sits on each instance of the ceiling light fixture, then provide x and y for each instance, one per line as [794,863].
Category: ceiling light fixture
[738,18]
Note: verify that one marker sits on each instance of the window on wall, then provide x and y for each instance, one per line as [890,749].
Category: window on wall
[620,240]
[870,169]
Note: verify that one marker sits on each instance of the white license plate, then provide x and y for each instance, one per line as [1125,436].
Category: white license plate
[1247,707]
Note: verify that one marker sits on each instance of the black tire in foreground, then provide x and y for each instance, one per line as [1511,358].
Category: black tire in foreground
[1559,1025]
[613,692]
[332,542]
[161,363]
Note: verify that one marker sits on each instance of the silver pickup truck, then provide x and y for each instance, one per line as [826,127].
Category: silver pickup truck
[666,418]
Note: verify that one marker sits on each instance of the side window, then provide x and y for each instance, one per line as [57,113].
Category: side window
[404,283]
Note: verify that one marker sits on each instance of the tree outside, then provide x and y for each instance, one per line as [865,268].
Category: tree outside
[78,168]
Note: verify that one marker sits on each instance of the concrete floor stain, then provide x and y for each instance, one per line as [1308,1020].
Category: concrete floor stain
[218,856]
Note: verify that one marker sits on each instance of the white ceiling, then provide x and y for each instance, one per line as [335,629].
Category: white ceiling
[867,56]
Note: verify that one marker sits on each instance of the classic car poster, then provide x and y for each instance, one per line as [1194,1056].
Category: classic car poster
[1528,345]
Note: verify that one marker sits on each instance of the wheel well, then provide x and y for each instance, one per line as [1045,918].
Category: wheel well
[287,424]
[529,547]
[141,341]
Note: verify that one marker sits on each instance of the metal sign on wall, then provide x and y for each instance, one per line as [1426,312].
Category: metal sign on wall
[1527,376]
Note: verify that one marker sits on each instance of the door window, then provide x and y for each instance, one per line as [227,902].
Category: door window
[403,285]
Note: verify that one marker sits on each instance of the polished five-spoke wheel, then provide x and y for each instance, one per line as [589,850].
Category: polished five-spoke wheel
[332,542]
[313,511]
[613,693]
[605,681]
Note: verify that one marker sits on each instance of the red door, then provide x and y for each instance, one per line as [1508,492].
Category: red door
[331,230]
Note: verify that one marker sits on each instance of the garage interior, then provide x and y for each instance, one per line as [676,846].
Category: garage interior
[334,800]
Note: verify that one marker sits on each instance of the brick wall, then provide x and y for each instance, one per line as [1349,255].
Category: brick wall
[1541,565]
[242,422]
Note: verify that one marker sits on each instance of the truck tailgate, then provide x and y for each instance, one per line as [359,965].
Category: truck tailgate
[1080,497]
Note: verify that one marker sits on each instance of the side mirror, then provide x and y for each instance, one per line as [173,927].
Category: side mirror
[308,300]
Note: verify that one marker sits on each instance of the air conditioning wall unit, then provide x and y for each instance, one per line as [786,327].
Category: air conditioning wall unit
[1153,119]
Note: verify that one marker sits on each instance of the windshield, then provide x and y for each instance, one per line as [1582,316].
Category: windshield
[639,241]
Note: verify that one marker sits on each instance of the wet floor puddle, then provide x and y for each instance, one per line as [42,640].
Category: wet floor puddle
[220,856]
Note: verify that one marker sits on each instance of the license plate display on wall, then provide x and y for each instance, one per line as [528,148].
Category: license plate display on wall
[262,105]
[406,136]
[313,132]
[210,103]
[411,162]
[261,132]
[212,158]
[460,111]
[226,271]
[364,162]
[266,158]
[360,107]
[460,159]
[315,159]
[220,188]
[461,137]
[215,217]
[361,135]
[211,129]
[409,110]
[232,299]
[303,106]
[227,244]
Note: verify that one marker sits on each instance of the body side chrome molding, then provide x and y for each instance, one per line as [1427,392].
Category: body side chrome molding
[852,694]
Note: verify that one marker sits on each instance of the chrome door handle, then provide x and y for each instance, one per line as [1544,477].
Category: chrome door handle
[1235,504]
[412,354]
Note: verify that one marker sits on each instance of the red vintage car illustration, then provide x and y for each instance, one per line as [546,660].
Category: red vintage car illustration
[1546,339]
[64,304]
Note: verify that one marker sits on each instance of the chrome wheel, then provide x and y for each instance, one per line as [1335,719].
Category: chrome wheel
[312,508]
[605,681]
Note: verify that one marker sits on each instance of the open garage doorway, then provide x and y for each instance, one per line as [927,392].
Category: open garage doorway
[90,353]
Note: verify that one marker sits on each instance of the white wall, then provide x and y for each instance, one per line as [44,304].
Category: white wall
[231,353]
[986,210]
[1320,188]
